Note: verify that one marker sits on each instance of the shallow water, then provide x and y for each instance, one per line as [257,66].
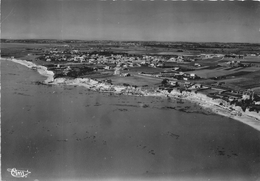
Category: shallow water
[70,133]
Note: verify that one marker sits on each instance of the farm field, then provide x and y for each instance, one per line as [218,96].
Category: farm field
[205,73]
[145,69]
[135,80]
[255,59]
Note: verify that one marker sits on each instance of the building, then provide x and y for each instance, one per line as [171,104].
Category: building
[117,71]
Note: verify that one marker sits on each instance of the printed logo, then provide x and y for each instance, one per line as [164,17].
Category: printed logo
[18,173]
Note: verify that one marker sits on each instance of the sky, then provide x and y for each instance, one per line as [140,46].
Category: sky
[134,20]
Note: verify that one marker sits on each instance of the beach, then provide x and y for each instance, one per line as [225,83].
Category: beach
[68,132]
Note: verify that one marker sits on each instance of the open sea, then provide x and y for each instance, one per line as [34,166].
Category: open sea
[70,133]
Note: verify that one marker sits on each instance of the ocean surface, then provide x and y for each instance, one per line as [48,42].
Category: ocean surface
[71,133]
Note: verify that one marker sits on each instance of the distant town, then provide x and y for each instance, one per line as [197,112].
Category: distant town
[226,71]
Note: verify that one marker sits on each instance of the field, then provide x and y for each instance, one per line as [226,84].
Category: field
[250,81]
[243,80]
[23,50]
[205,73]
[256,90]
[135,80]
[251,59]
[145,69]
[247,59]
[224,71]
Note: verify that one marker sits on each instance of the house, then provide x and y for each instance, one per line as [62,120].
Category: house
[108,81]
[176,68]
[82,59]
[173,83]
[159,65]
[68,68]
[246,96]
[192,76]
[117,71]
[107,67]
[173,59]
[220,83]
[180,59]
[187,84]
[257,103]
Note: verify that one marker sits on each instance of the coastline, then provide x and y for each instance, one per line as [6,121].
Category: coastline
[249,118]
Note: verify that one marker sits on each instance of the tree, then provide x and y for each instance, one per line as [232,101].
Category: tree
[165,82]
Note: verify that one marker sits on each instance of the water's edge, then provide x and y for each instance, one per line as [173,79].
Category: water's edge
[249,118]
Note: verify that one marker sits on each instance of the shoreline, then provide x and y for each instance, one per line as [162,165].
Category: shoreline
[251,119]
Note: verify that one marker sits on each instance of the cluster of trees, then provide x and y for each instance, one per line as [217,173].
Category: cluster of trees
[246,103]
[74,72]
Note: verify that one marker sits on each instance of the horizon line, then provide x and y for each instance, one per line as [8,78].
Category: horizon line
[124,40]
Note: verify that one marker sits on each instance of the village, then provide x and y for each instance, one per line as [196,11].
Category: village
[178,72]
[225,71]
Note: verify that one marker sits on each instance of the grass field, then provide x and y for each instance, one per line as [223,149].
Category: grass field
[134,80]
[244,60]
[211,73]
[22,45]
[251,59]
[145,69]
[245,80]
[225,71]
[256,90]
[240,73]
[19,50]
